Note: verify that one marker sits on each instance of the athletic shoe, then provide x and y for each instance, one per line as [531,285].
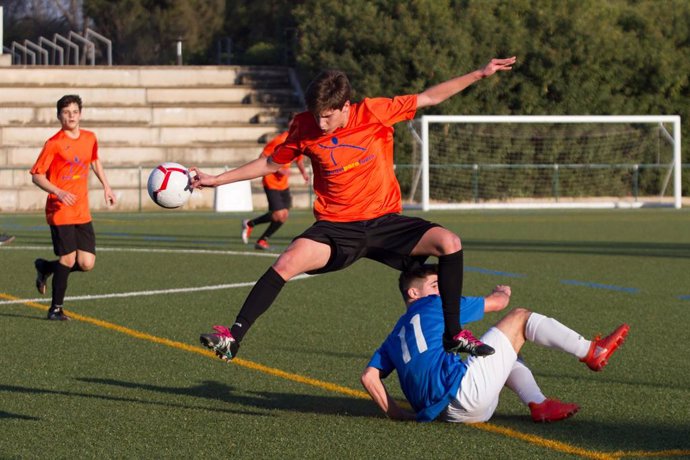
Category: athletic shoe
[6,239]
[57,314]
[465,342]
[552,410]
[246,231]
[221,342]
[262,244]
[601,349]
[41,278]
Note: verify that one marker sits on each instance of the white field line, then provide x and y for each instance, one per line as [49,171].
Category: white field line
[151,292]
[156,250]
[145,293]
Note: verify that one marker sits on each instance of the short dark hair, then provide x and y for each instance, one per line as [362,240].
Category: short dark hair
[66,100]
[330,89]
[417,272]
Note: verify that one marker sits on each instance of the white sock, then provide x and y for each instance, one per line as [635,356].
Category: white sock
[551,334]
[522,382]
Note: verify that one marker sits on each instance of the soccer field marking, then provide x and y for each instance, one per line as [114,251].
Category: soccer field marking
[329,386]
[146,293]
[601,286]
[485,271]
[156,250]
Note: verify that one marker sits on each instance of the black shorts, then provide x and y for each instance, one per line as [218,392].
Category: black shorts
[388,239]
[278,199]
[69,238]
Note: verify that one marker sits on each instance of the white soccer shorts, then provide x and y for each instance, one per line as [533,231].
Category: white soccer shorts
[477,396]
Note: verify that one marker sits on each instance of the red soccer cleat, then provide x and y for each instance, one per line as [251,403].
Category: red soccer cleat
[602,349]
[552,410]
[262,244]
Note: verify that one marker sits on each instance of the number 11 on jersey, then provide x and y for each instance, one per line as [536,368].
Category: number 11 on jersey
[418,335]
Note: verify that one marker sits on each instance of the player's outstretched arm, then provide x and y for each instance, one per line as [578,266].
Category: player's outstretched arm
[371,380]
[255,168]
[442,91]
[498,299]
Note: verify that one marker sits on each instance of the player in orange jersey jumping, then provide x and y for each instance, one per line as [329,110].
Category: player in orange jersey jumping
[62,170]
[277,189]
[358,200]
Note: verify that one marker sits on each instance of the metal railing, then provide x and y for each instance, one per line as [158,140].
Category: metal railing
[62,50]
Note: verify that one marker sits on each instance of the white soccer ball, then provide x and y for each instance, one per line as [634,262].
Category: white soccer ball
[170,185]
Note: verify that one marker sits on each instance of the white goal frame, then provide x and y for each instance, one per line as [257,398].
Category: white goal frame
[427,119]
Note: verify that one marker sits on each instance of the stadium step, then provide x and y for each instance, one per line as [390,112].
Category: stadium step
[209,116]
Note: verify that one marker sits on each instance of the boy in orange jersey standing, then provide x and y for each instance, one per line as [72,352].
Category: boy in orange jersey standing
[277,189]
[358,201]
[62,170]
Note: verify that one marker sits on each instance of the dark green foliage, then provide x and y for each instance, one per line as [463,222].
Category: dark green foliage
[146,31]
[574,57]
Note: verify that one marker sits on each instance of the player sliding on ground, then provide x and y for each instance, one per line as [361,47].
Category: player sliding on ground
[358,201]
[439,385]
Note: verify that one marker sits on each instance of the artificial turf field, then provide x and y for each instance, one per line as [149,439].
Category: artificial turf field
[127,377]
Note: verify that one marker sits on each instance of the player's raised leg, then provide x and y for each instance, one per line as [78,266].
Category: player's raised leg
[522,325]
[447,246]
[303,255]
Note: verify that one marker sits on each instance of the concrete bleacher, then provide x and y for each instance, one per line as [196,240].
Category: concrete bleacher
[213,117]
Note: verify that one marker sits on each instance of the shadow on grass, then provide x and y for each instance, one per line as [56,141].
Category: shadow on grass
[232,240]
[603,435]
[601,378]
[27,316]
[216,391]
[134,400]
[8,415]
[609,248]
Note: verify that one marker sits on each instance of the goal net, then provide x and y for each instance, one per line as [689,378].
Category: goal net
[546,162]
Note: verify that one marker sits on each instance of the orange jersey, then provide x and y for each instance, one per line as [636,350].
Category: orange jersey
[353,167]
[65,162]
[278,180]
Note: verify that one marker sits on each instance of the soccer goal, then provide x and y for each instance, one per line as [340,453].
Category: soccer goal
[546,162]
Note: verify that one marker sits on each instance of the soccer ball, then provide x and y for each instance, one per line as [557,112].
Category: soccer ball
[170,185]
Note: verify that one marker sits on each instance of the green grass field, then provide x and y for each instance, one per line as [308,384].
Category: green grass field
[128,379]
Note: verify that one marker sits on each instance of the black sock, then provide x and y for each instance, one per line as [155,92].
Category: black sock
[450,271]
[271,230]
[47,267]
[258,301]
[76,268]
[60,275]
[261,219]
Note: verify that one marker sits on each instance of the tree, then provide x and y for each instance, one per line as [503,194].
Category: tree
[145,31]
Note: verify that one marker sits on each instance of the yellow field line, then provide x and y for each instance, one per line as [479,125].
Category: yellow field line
[489,427]
[543,442]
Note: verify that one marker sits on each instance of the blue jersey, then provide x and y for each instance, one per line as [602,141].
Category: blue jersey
[429,376]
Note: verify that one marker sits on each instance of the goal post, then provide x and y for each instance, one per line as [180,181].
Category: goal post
[473,162]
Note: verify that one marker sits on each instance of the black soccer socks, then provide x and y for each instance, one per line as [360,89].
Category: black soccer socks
[450,273]
[258,301]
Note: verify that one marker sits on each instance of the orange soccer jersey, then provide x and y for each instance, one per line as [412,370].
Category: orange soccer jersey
[353,167]
[65,162]
[277,180]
